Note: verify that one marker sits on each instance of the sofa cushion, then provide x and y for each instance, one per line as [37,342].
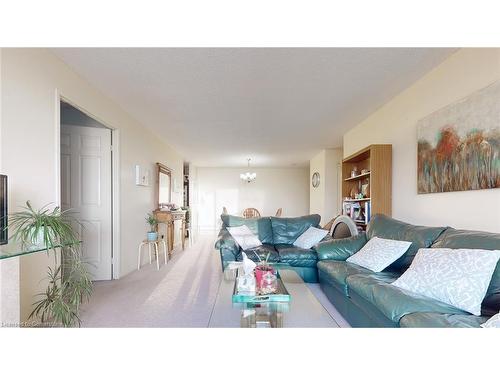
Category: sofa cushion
[438,320]
[468,239]
[259,226]
[340,248]
[244,237]
[493,322]
[379,253]
[262,251]
[296,256]
[459,277]
[311,237]
[287,229]
[394,302]
[336,272]
[385,227]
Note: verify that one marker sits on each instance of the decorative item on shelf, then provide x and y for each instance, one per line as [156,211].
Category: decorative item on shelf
[365,189]
[354,172]
[169,207]
[359,196]
[152,234]
[69,282]
[354,191]
[315,179]
[365,171]
[248,176]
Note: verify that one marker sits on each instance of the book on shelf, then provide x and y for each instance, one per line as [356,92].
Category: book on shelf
[359,212]
[368,211]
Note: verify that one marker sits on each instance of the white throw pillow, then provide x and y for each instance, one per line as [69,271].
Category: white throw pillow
[310,237]
[493,322]
[458,277]
[244,237]
[379,253]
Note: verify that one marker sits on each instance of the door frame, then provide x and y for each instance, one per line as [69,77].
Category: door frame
[115,177]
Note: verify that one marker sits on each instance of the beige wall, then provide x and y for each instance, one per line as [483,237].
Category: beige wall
[287,188]
[31,80]
[463,73]
[193,198]
[325,199]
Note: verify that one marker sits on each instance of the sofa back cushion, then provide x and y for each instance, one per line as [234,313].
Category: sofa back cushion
[287,229]
[385,227]
[260,226]
[468,239]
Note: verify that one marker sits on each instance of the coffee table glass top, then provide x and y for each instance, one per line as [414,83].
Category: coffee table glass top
[303,311]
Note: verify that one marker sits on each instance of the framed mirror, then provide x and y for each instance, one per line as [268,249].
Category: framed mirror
[164,185]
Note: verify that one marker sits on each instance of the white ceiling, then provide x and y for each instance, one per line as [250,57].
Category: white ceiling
[278,106]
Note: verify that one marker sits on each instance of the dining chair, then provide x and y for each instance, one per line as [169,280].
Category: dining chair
[251,212]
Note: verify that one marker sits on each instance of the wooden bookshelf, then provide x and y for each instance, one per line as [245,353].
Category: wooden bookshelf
[377,161]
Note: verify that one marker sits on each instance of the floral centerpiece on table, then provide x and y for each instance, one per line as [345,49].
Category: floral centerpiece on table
[265,276]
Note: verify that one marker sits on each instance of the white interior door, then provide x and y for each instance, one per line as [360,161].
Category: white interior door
[86,189]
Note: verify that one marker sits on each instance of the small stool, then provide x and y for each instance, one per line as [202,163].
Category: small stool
[155,245]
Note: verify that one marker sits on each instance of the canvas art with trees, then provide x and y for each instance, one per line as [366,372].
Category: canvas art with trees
[459,145]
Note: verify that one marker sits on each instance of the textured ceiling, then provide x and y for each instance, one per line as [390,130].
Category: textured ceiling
[278,106]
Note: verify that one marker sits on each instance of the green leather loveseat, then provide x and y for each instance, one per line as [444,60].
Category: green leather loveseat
[367,299]
[277,235]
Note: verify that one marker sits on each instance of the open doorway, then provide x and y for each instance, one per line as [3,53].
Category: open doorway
[87,185]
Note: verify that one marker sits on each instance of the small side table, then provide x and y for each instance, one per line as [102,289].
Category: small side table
[168,218]
[154,245]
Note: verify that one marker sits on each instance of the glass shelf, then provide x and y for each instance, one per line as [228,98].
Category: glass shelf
[13,249]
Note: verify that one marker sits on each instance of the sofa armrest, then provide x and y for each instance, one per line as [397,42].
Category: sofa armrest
[226,242]
[341,248]
[227,246]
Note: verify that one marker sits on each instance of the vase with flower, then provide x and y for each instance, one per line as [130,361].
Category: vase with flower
[265,276]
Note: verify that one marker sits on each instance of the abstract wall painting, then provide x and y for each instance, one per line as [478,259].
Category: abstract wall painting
[459,145]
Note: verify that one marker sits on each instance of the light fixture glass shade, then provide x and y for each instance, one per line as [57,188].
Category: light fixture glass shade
[248,177]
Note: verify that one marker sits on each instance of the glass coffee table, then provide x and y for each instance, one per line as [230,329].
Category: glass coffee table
[303,311]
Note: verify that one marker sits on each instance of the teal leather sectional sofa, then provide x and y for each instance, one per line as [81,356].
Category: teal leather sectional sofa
[367,299]
[277,235]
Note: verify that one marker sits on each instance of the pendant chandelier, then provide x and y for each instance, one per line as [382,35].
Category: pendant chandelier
[249,176]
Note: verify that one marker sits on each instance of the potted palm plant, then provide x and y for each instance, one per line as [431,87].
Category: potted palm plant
[152,234]
[69,283]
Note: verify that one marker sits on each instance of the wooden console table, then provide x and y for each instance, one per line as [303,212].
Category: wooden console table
[169,218]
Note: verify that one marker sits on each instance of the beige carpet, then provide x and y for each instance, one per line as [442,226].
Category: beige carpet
[180,294]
